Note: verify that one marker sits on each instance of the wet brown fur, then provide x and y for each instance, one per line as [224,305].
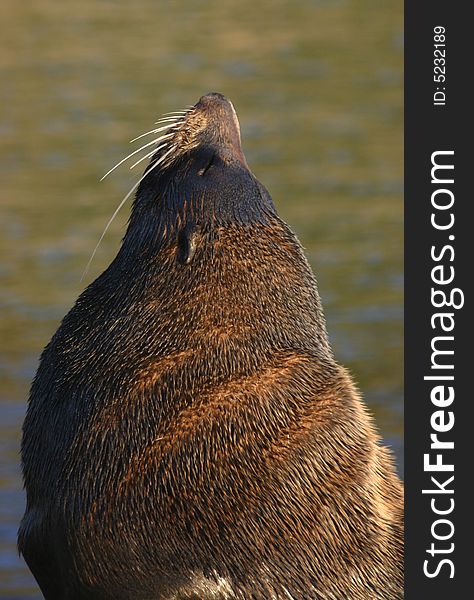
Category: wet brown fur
[190,435]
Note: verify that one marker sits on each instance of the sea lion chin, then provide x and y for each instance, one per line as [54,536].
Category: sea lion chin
[189,434]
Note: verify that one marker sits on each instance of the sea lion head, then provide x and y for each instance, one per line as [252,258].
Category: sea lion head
[199,173]
[211,129]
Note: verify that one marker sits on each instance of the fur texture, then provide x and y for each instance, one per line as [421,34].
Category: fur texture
[189,434]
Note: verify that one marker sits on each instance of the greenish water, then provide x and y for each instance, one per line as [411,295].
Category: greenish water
[318,89]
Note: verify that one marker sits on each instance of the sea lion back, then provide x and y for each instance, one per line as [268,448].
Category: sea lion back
[189,433]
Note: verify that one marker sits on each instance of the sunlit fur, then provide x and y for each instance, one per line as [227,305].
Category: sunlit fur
[189,433]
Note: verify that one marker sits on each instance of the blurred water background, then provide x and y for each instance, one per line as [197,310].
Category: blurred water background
[317,85]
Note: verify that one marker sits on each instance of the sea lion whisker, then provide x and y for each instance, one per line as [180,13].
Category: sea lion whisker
[172,119]
[160,145]
[148,155]
[157,130]
[127,196]
[117,210]
[130,155]
[162,158]
[171,123]
[175,112]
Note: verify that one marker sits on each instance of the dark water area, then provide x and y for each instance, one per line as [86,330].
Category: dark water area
[318,89]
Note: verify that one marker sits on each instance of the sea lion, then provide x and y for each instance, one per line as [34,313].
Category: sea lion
[189,434]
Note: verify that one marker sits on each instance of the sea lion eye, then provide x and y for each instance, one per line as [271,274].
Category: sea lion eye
[204,170]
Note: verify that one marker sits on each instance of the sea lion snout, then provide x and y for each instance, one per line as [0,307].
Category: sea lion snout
[222,128]
[212,98]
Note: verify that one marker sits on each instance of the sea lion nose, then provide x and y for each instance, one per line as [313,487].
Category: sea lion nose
[222,126]
[217,106]
[212,98]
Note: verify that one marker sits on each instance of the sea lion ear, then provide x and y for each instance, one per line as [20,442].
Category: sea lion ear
[187,239]
[205,157]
